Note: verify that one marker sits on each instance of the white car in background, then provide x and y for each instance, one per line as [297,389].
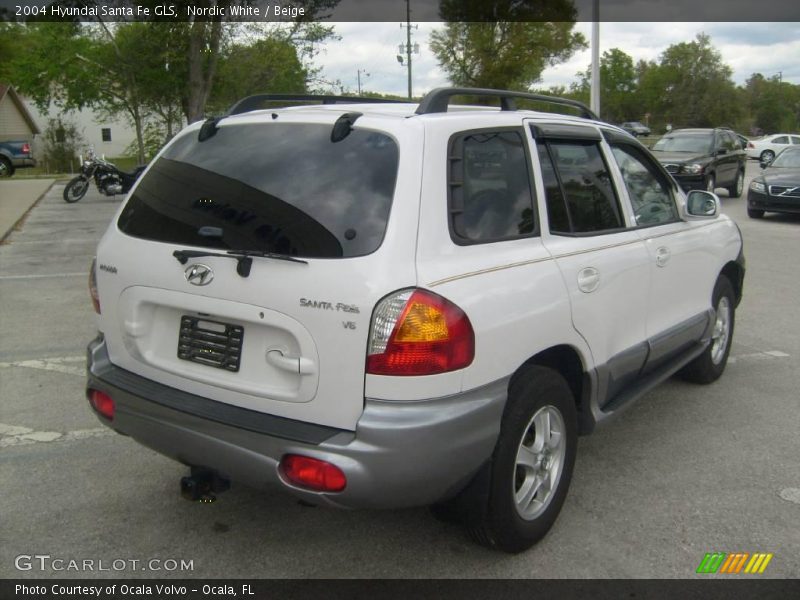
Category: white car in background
[765,148]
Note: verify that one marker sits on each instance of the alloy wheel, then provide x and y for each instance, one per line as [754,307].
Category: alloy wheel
[539,462]
[721,331]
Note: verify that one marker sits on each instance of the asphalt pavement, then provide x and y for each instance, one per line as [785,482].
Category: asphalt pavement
[688,470]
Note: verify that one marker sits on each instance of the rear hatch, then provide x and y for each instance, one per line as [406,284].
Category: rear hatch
[288,337]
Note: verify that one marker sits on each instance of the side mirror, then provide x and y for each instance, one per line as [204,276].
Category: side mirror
[702,204]
[764,164]
[722,150]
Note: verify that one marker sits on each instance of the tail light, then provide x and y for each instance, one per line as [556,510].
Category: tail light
[750,145]
[312,473]
[417,332]
[102,403]
[93,286]
[26,148]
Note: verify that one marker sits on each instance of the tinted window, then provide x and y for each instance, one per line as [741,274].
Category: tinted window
[781,140]
[273,187]
[795,140]
[647,188]
[729,142]
[698,143]
[490,191]
[556,206]
[585,190]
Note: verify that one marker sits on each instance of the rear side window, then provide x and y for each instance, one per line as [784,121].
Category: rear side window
[729,142]
[490,189]
[580,195]
[274,187]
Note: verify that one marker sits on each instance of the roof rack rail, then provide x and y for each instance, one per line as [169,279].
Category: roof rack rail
[437,100]
[254,102]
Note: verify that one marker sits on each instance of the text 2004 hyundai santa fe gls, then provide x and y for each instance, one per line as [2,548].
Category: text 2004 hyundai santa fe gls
[392,305]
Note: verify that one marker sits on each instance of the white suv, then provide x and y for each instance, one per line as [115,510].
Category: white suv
[392,305]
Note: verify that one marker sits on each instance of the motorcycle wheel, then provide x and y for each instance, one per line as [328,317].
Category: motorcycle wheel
[76,189]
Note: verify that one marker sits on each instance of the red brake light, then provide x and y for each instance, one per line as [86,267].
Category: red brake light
[93,287]
[26,148]
[750,145]
[416,332]
[312,473]
[102,403]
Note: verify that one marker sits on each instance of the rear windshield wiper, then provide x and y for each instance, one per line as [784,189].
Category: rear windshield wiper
[243,258]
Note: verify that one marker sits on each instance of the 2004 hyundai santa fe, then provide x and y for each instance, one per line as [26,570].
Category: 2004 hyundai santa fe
[391,305]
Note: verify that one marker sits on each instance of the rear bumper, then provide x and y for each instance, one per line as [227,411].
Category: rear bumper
[401,454]
[21,163]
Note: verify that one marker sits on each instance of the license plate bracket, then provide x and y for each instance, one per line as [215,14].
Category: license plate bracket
[210,342]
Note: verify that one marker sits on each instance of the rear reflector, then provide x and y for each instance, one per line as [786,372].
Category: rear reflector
[312,473]
[102,403]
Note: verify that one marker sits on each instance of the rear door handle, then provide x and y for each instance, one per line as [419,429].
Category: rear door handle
[662,256]
[588,280]
[293,364]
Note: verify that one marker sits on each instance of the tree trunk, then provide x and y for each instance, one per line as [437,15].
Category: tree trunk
[204,44]
[138,125]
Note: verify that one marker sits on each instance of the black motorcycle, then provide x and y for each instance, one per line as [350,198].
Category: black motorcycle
[107,177]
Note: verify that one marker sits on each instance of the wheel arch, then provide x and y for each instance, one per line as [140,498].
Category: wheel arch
[567,361]
[734,271]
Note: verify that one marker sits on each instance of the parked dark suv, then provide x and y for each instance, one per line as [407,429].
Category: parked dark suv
[703,159]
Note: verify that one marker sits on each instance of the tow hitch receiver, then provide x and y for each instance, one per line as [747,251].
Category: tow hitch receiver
[203,485]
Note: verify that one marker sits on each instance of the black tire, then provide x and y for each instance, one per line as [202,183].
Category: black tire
[76,189]
[711,183]
[708,367]
[755,213]
[535,391]
[6,168]
[735,191]
[767,156]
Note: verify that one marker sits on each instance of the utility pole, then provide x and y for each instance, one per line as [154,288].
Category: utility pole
[408,47]
[360,71]
[594,93]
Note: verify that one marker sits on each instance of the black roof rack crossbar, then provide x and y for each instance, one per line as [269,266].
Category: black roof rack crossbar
[436,100]
[255,102]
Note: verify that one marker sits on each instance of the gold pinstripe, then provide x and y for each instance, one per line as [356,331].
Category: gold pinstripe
[529,262]
[554,257]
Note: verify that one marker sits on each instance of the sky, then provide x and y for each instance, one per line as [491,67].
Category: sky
[766,48]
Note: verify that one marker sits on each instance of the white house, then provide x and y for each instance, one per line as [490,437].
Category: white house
[110,137]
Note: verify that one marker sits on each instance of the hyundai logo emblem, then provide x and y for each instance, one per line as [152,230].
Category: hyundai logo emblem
[199,274]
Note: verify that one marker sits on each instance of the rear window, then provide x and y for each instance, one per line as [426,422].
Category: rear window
[700,143]
[275,187]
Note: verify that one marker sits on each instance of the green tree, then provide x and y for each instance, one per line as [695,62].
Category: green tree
[268,66]
[503,54]
[74,66]
[618,87]
[773,104]
[61,144]
[150,72]
[205,41]
[691,86]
